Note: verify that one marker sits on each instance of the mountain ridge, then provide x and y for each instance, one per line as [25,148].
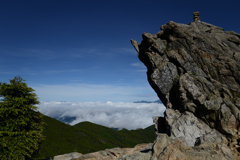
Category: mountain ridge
[87,137]
[144,101]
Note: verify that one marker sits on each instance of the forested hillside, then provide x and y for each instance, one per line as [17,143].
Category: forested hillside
[87,137]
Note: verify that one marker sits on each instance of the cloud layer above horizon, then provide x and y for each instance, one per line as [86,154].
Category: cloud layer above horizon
[96,92]
[109,114]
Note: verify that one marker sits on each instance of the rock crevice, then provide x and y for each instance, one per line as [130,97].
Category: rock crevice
[195,71]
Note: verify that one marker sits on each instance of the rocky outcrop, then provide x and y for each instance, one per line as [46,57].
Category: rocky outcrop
[164,148]
[68,156]
[143,151]
[189,129]
[195,71]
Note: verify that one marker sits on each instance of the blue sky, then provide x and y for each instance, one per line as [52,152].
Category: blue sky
[80,50]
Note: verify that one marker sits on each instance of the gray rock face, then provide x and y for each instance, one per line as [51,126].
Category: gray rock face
[191,130]
[143,151]
[68,156]
[195,71]
[166,148]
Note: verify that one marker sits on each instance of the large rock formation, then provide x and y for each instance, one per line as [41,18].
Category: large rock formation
[195,71]
[164,148]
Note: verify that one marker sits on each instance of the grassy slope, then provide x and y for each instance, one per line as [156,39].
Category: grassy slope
[87,137]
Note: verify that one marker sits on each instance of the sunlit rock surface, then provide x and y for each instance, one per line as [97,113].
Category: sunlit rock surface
[195,71]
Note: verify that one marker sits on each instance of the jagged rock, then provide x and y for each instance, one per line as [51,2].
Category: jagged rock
[166,148]
[191,130]
[140,150]
[68,156]
[195,71]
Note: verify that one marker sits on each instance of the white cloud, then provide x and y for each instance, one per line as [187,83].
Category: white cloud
[141,66]
[100,51]
[138,64]
[94,92]
[127,50]
[61,71]
[110,114]
[141,70]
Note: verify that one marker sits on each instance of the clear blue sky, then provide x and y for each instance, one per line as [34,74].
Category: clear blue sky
[80,50]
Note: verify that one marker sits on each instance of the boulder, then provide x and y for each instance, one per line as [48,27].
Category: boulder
[164,148]
[195,71]
[68,156]
[167,148]
[143,151]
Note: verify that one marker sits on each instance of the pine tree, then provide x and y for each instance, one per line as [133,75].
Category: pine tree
[21,125]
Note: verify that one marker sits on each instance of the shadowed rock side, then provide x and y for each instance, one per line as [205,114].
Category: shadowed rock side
[195,71]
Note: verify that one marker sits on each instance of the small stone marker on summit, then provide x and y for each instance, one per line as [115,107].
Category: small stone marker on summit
[196,16]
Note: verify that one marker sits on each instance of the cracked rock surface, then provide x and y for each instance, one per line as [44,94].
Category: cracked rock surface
[195,71]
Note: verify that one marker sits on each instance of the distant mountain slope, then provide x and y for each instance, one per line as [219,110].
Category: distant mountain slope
[87,137]
[143,101]
[65,119]
[122,138]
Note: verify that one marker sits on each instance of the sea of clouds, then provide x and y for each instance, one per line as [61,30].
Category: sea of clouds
[110,114]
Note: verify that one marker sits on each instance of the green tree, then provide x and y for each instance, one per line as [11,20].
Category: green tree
[21,125]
